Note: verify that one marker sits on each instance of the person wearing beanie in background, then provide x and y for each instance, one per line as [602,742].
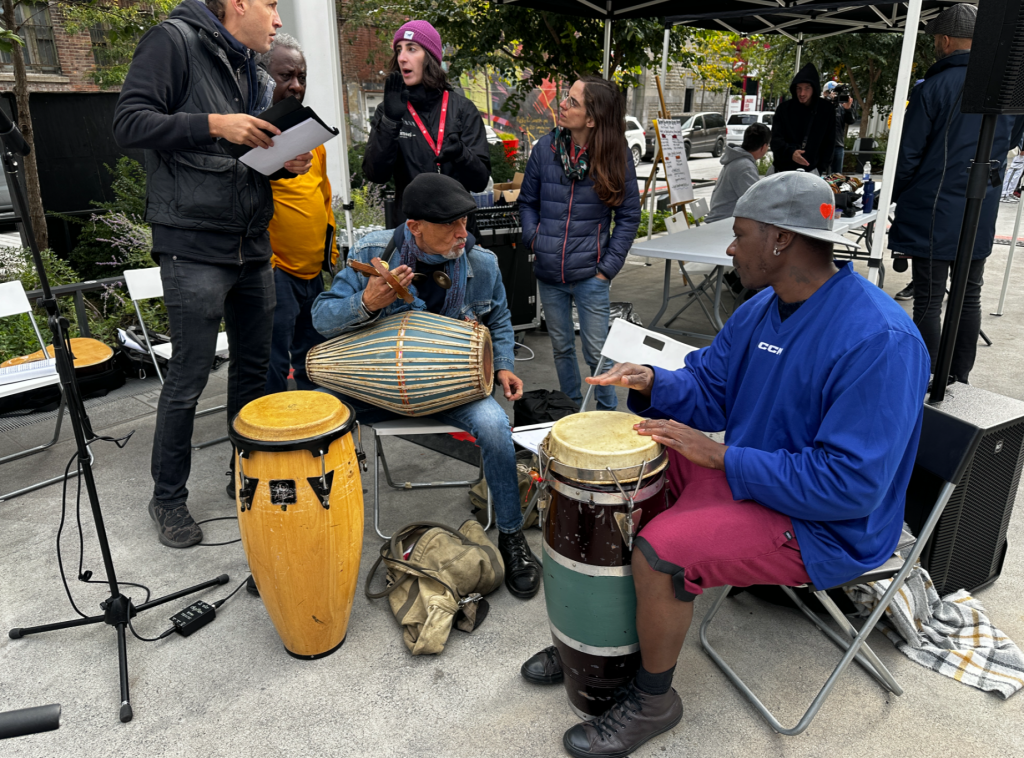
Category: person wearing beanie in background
[423,126]
[804,128]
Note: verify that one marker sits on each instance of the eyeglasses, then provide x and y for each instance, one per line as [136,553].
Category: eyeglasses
[571,101]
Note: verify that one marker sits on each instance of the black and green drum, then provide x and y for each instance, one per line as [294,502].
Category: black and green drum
[607,482]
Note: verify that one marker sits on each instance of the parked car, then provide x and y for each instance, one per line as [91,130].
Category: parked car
[738,123]
[636,137]
[704,132]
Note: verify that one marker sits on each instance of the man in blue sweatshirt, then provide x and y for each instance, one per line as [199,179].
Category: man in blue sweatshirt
[819,384]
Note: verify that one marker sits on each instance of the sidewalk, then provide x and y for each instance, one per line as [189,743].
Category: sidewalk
[230,689]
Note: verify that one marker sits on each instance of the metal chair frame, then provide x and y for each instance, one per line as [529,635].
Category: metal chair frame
[133,275]
[851,640]
[407,428]
[12,294]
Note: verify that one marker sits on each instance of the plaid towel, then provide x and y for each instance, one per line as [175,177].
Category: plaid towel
[951,635]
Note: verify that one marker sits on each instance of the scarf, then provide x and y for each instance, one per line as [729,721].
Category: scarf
[456,269]
[253,106]
[564,146]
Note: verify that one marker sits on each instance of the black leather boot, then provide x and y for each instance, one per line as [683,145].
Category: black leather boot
[522,574]
[543,668]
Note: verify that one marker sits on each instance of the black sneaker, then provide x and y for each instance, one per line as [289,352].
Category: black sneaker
[544,668]
[635,718]
[907,293]
[522,574]
[175,526]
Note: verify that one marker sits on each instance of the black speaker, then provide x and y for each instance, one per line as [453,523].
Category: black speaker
[500,231]
[975,438]
[995,74]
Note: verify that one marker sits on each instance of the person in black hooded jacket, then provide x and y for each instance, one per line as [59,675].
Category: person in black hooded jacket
[407,137]
[804,128]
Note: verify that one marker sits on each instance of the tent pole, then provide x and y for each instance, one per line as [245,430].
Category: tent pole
[895,133]
[1009,260]
[799,51]
[607,42]
[664,54]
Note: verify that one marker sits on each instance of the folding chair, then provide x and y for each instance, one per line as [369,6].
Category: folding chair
[407,427]
[13,302]
[143,284]
[627,342]
[947,468]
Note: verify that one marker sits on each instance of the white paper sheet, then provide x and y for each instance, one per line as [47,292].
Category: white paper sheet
[531,436]
[30,370]
[670,137]
[300,139]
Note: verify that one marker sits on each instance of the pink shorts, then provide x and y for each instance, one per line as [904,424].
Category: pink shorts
[707,539]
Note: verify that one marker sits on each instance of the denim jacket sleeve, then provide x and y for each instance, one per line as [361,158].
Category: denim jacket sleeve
[338,310]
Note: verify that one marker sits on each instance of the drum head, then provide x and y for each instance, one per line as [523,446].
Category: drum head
[599,439]
[294,415]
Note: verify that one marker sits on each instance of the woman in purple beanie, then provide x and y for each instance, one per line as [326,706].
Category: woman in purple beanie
[423,125]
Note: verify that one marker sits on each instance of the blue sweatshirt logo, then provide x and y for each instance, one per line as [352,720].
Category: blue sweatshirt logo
[770,348]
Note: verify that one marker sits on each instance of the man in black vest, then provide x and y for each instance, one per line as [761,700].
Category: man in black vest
[193,81]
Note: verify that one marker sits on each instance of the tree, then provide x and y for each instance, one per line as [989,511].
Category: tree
[123,23]
[714,60]
[868,62]
[524,46]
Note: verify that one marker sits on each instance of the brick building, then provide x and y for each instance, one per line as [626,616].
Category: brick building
[56,61]
[364,58]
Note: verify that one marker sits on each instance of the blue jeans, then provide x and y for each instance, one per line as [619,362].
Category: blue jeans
[294,334]
[488,423]
[838,155]
[198,296]
[593,308]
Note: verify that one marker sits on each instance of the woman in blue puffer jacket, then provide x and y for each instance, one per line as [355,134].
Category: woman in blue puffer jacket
[577,177]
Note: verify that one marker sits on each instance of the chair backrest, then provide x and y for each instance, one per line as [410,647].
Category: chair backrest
[144,283]
[699,207]
[13,299]
[628,342]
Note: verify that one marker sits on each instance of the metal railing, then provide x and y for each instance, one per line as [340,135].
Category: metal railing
[76,290]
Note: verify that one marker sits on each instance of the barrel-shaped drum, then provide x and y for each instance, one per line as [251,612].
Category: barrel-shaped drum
[300,512]
[413,363]
[588,531]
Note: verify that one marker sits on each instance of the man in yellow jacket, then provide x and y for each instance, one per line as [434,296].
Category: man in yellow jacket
[301,234]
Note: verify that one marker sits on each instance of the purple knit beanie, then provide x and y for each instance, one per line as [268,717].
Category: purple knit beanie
[424,35]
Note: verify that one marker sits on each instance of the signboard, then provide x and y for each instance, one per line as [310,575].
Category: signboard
[673,152]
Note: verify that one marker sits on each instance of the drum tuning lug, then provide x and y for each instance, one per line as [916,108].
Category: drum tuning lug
[246,494]
[360,455]
[321,486]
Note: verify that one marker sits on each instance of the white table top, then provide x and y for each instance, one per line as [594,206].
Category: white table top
[707,243]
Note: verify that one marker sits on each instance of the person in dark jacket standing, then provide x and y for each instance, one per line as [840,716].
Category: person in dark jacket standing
[804,128]
[930,187]
[577,177]
[843,104]
[194,81]
[423,125]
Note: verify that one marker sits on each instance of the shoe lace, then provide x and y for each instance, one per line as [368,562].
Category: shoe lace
[627,702]
[516,546]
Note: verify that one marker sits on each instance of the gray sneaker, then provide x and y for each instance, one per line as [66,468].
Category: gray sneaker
[175,526]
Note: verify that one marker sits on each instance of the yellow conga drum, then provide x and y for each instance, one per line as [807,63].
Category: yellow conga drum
[300,512]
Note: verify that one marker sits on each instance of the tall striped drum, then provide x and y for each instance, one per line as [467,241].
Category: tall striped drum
[300,511]
[413,363]
[588,530]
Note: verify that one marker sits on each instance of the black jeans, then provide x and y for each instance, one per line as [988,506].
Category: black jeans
[294,334]
[930,278]
[198,296]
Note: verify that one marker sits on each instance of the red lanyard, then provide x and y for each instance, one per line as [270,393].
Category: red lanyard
[440,127]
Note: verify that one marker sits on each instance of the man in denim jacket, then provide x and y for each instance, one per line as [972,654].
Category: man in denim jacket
[435,240]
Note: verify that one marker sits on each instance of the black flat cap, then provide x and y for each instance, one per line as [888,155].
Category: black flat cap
[436,198]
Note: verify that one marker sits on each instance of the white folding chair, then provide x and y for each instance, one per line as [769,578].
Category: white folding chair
[946,468]
[13,302]
[143,284]
[408,427]
[629,343]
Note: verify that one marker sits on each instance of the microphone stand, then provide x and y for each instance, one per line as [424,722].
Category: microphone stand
[117,609]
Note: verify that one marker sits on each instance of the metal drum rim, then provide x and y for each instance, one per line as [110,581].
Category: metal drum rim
[607,498]
[604,476]
[587,569]
[602,652]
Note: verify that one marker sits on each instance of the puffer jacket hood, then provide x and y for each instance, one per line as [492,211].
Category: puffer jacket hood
[807,75]
[735,153]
